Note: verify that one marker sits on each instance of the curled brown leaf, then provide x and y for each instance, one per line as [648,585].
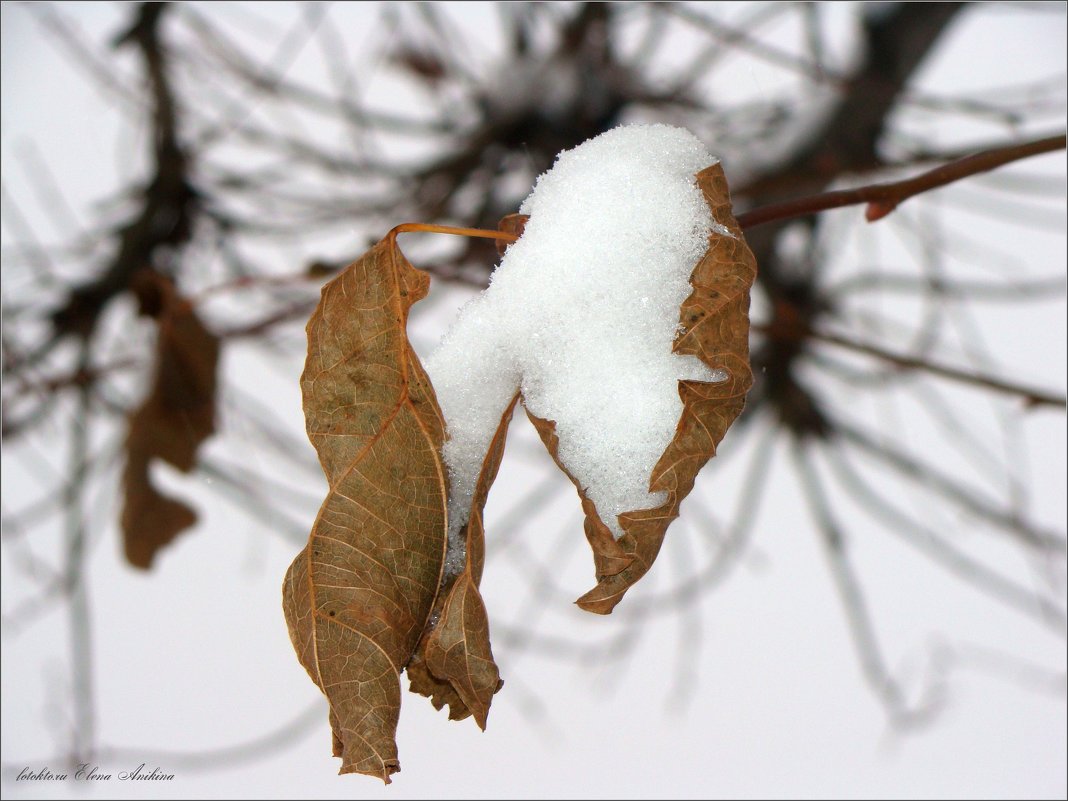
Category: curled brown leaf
[368,597]
[454,662]
[358,596]
[714,327]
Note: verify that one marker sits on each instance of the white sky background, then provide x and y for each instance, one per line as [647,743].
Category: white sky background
[194,656]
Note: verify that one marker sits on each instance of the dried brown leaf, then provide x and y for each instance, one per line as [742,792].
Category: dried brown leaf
[369,596]
[715,328]
[176,417]
[358,596]
[454,663]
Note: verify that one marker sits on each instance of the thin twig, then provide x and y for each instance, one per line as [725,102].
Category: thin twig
[478,233]
[884,198]
[941,552]
[850,589]
[83,735]
[215,758]
[1031,395]
[952,490]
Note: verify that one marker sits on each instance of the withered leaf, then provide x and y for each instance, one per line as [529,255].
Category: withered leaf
[715,328]
[454,663]
[176,417]
[370,595]
[358,598]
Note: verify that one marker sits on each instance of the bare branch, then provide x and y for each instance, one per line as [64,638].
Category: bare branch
[969,570]
[884,198]
[849,585]
[1032,397]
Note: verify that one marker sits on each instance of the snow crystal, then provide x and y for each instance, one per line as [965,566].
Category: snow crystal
[580,316]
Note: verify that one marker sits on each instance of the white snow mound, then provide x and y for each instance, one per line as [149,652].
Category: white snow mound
[580,315]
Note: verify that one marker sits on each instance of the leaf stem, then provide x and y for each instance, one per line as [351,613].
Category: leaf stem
[479,233]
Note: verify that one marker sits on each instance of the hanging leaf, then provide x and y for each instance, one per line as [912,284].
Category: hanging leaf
[454,664]
[714,326]
[370,595]
[358,599]
[176,417]
[358,596]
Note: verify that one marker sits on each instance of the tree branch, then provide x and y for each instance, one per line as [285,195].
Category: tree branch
[884,198]
[1032,396]
[798,332]
[169,205]
[854,601]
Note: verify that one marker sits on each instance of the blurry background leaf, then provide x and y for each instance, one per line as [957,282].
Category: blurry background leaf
[176,417]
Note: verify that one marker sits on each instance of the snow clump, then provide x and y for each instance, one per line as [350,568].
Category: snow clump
[580,316]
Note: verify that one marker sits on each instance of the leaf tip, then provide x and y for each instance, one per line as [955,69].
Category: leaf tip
[389,767]
[598,606]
